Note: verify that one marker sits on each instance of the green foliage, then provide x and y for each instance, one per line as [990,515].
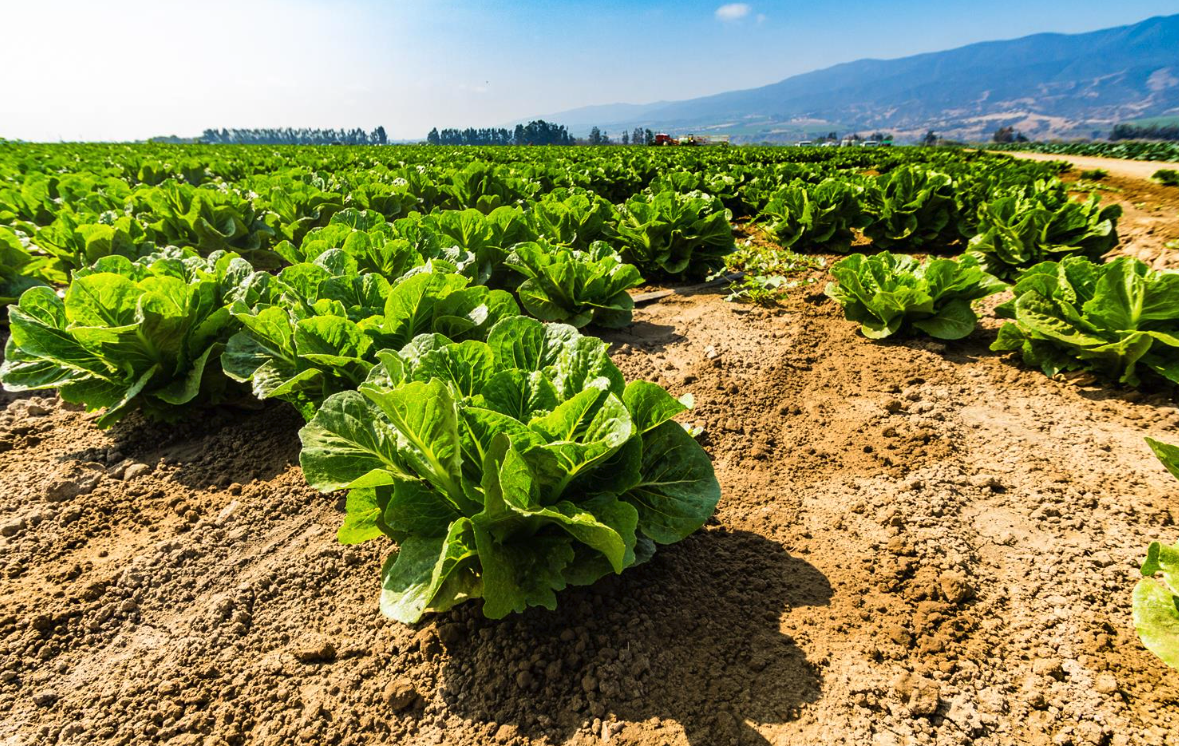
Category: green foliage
[1020,230]
[1156,599]
[574,218]
[19,268]
[766,272]
[814,217]
[674,235]
[894,293]
[1111,319]
[575,287]
[506,470]
[911,206]
[1137,150]
[129,335]
[1166,177]
[1096,174]
[317,329]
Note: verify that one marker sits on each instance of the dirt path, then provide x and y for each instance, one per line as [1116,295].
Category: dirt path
[917,544]
[1116,166]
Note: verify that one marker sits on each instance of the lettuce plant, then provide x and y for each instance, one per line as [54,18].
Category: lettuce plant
[1166,177]
[74,244]
[506,470]
[204,219]
[20,269]
[910,205]
[1020,230]
[1111,319]
[575,287]
[489,237]
[129,335]
[1156,600]
[890,293]
[819,216]
[372,243]
[317,330]
[675,235]
[573,218]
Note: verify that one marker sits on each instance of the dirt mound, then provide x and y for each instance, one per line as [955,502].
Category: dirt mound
[917,543]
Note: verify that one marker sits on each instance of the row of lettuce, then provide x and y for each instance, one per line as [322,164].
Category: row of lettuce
[508,458]
[1134,150]
[668,214]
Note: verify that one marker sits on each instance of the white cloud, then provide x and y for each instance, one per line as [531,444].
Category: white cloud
[733,11]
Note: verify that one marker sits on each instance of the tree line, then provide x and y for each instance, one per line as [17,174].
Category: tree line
[292,136]
[538,132]
[1145,132]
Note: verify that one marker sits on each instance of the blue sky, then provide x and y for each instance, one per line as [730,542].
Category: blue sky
[125,69]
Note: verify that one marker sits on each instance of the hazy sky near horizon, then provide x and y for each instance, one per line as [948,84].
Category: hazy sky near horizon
[132,69]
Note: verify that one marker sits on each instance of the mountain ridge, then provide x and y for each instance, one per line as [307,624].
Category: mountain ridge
[1045,84]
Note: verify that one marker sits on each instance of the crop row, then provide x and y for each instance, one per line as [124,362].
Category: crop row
[1133,150]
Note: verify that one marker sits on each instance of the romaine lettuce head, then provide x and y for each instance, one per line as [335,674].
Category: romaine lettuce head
[508,469]
[130,335]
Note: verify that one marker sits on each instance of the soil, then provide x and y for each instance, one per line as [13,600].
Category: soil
[918,543]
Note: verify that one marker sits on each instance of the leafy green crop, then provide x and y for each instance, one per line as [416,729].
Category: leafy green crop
[506,470]
[889,293]
[316,332]
[575,287]
[819,216]
[573,218]
[19,268]
[1020,230]
[674,235]
[1156,602]
[911,205]
[204,219]
[1111,319]
[129,335]
[1166,177]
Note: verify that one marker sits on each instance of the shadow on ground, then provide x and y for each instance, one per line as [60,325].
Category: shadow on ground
[690,640]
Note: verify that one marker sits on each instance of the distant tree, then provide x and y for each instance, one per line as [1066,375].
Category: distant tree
[637,136]
[595,137]
[1008,135]
[930,139]
[626,138]
[379,136]
[648,137]
[433,138]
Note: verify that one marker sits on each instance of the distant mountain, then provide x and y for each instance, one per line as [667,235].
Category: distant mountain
[1045,85]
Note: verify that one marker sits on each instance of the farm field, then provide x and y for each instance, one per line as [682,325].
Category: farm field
[918,540]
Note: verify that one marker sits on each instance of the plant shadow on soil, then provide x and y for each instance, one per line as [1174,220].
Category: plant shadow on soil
[225,445]
[693,638]
[640,333]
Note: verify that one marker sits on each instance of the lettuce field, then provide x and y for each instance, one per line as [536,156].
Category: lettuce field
[580,445]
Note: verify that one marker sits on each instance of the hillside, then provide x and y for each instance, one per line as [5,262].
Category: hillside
[1047,85]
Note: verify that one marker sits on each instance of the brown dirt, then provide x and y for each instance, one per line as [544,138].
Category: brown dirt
[918,543]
